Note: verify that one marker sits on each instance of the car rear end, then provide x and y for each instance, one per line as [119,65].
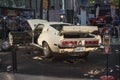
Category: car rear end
[76,42]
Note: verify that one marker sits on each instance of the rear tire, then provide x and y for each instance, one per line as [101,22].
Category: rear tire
[46,50]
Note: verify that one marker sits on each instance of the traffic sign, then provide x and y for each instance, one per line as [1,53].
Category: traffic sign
[107,50]
[106,40]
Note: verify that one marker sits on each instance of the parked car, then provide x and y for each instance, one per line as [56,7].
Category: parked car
[99,21]
[57,38]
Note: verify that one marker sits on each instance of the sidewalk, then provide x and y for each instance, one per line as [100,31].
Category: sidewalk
[17,76]
[12,76]
[115,41]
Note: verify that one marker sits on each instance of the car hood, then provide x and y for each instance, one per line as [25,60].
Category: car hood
[34,22]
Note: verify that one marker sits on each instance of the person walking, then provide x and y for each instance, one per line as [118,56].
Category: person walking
[109,23]
[82,16]
[110,26]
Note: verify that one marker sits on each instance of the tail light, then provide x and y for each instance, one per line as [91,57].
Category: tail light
[91,42]
[69,43]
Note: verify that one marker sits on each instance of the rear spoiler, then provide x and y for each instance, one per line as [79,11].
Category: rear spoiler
[89,29]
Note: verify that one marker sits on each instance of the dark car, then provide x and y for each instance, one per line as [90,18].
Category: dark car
[99,21]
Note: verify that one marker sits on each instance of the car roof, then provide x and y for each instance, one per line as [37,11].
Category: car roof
[50,23]
[35,22]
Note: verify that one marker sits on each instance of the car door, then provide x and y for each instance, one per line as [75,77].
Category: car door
[23,35]
[38,31]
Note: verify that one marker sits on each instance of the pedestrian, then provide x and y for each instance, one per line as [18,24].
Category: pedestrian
[108,19]
[82,16]
[97,6]
[113,10]
[116,20]
[13,23]
[5,29]
[110,25]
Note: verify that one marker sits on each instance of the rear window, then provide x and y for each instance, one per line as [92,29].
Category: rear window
[60,26]
[77,35]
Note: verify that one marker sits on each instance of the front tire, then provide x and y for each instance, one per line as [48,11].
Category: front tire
[46,50]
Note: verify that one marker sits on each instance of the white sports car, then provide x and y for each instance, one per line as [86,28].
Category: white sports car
[57,37]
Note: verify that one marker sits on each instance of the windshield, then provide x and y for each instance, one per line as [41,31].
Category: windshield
[60,26]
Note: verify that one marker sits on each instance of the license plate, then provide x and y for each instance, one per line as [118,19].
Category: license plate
[79,49]
[98,21]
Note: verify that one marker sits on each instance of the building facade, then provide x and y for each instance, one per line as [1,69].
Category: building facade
[45,8]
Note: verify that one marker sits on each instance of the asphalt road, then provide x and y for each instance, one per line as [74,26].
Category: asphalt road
[35,64]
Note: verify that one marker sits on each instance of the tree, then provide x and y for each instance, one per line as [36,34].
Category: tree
[92,2]
[116,2]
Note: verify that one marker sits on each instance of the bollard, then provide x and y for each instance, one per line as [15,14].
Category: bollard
[14,59]
[105,77]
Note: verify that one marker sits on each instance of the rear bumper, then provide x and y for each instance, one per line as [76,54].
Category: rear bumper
[73,50]
[73,53]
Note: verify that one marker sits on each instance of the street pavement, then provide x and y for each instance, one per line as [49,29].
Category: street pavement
[13,76]
[18,76]
[115,41]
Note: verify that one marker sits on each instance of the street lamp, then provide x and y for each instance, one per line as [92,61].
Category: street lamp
[62,16]
[4,29]
[62,12]
[41,9]
[48,6]
[119,8]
